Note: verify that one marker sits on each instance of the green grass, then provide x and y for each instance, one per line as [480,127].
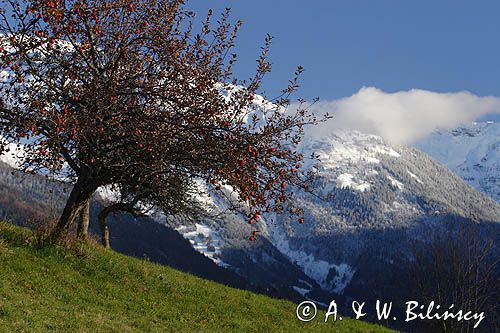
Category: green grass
[51,289]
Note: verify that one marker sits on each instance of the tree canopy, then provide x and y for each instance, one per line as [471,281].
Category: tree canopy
[128,93]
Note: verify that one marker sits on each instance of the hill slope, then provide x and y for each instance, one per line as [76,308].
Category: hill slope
[25,199]
[50,289]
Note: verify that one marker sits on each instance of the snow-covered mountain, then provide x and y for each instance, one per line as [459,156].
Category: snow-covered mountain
[370,202]
[472,152]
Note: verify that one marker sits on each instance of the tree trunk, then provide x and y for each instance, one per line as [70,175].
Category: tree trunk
[104,227]
[80,194]
[83,225]
[117,207]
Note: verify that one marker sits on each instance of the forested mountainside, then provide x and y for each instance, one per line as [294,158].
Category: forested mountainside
[370,202]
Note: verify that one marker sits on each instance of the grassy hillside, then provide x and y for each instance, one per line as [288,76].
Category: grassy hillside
[97,290]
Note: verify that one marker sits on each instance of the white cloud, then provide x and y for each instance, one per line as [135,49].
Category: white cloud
[403,117]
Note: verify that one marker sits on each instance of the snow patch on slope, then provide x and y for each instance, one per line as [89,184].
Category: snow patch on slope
[414,176]
[301,291]
[107,194]
[346,180]
[204,240]
[395,182]
[332,277]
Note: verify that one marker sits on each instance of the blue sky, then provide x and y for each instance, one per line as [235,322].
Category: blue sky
[441,46]
[426,64]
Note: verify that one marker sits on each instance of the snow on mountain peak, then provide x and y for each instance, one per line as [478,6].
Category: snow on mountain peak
[345,150]
[472,152]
